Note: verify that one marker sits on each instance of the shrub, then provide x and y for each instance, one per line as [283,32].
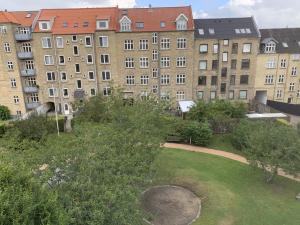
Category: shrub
[198,133]
[239,137]
[4,113]
[298,128]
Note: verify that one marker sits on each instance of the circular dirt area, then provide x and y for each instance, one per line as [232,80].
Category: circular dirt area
[171,205]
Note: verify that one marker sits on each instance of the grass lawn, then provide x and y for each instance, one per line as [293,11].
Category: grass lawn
[231,193]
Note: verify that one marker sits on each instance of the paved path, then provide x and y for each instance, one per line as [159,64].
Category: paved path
[227,155]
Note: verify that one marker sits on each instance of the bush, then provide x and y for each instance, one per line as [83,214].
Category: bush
[198,133]
[4,113]
[298,128]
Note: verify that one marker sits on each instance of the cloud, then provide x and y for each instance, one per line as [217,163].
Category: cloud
[41,4]
[268,13]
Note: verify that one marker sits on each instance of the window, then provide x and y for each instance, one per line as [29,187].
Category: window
[165,43]
[200,94]
[165,62]
[225,57]
[283,63]
[181,61]
[180,96]
[29,65]
[91,75]
[125,24]
[223,88]
[46,42]
[144,80]
[233,64]
[75,50]
[88,41]
[78,84]
[295,57]
[181,43]
[144,62]
[235,48]
[44,25]
[224,72]
[211,31]
[34,97]
[247,48]
[165,79]
[213,95]
[269,79]
[181,24]
[231,94]
[154,72]
[243,94]
[203,48]
[215,48]
[294,71]
[202,64]
[51,76]
[130,80]
[226,42]
[13,82]
[48,59]
[129,63]
[215,65]
[279,94]
[270,47]
[31,81]
[61,60]
[281,79]
[154,38]
[106,91]
[103,41]
[3,29]
[63,76]
[16,99]
[26,47]
[214,80]
[128,45]
[245,63]
[65,92]
[292,87]
[92,92]
[144,44]
[52,92]
[232,80]
[165,96]
[10,65]
[271,63]
[244,79]
[7,47]
[59,42]
[77,68]
[298,94]
[89,59]
[162,24]
[154,55]
[102,24]
[104,59]
[180,79]
[154,89]
[202,80]
[74,38]
[106,75]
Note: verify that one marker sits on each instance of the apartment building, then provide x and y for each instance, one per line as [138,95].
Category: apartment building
[225,56]
[278,66]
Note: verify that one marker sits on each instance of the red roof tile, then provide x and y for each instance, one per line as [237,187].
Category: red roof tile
[7,17]
[18,17]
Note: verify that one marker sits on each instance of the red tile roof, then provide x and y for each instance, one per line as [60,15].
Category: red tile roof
[18,17]
[7,17]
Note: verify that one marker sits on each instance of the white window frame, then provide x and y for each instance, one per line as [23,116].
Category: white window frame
[144,80]
[106,75]
[180,79]
[165,62]
[87,59]
[181,43]
[130,80]
[7,48]
[61,76]
[47,23]
[129,63]
[52,75]
[165,79]
[85,41]
[180,95]
[144,62]
[181,61]
[46,42]
[59,42]
[247,48]
[63,92]
[99,22]
[103,56]
[143,44]
[102,43]
[128,45]
[165,43]
[51,62]
[91,72]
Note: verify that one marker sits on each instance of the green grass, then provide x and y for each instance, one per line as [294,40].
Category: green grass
[232,193]
[223,142]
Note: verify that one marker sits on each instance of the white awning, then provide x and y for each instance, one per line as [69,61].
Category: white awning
[185,106]
[266,115]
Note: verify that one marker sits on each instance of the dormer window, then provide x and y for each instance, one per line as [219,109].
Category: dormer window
[125,24]
[139,25]
[102,24]
[181,22]
[270,47]
[44,25]
[162,24]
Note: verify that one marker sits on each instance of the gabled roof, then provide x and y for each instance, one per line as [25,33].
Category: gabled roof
[7,17]
[226,28]
[75,19]
[152,17]
[18,17]
[290,36]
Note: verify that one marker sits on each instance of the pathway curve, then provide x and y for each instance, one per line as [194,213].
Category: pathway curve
[227,155]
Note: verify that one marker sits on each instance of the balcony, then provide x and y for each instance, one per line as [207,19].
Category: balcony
[32,89]
[25,55]
[28,72]
[23,36]
[32,105]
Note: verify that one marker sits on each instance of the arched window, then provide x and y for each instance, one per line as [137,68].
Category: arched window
[125,24]
[270,47]
[181,22]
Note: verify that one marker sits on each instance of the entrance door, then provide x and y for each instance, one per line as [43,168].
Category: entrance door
[290,100]
[66,109]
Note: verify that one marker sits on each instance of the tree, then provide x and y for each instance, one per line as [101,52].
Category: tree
[198,133]
[271,146]
[4,113]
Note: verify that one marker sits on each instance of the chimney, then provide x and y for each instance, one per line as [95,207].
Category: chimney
[150,6]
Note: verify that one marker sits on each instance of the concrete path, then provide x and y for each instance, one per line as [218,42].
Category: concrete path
[227,155]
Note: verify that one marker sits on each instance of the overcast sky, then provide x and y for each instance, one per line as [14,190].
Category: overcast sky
[268,13]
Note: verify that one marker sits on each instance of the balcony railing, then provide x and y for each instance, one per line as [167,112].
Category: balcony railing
[28,72]
[25,55]
[23,36]
[33,89]
[32,105]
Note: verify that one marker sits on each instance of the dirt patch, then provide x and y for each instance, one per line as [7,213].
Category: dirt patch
[171,205]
